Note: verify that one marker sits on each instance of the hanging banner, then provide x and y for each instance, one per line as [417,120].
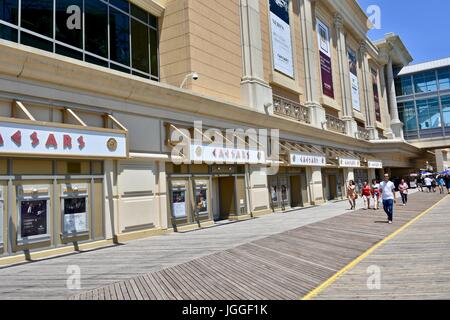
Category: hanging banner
[1,215]
[325,59]
[349,163]
[309,160]
[353,65]
[376,95]
[281,37]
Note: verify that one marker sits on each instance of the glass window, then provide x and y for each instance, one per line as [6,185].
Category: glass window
[140,48]
[429,113]
[407,114]
[139,13]
[120,36]
[121,4]
[445,101]
[8,33]
[403,86]
[69,22]
[37,16]
[444,79]
[36,42]
[96,13]
[154,53]
[9,11]
[425,82]
[65,51]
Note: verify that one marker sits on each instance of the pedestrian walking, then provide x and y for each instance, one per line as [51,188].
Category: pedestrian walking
[403,189]
[351,194]
[375,190]
[428,183]
[441,184]
[433,184]
[447,177]
[366,193]
[388,195]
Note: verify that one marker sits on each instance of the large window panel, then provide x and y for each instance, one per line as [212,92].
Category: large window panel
[444,79]
[139,13]
[407,113]
[121,4]
[425,82]
[403,86]
[9,11]
[429,114]
[96,35]
[154,53]
[36,42]
[37,16]
[445,102]
[140,46]
[69,25]
[8,33]
[120,36]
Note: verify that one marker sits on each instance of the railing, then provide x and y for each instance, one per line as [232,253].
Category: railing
[363,133]
[335,124]
[287,108]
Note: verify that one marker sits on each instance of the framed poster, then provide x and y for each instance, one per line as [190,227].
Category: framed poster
[201,200]
[179,204]
[2,206]
[75,215]
[326,69]
[281,37]
[33,216]
[353,66]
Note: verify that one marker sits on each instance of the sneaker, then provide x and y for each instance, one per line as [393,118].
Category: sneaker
[390,222]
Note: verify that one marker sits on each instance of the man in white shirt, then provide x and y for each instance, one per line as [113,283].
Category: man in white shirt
[388,195]
[428,183]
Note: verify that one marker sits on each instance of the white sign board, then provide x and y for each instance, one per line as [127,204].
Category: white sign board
[305,159]
[349,163]
[353,65]
[223,155]
[373,164]
[39,140]
[281,37]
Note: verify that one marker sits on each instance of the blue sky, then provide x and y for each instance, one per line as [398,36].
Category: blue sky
[423,25]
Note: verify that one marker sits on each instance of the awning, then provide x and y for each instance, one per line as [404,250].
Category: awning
[32,138]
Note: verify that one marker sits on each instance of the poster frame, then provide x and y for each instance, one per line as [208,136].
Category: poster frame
[75,195]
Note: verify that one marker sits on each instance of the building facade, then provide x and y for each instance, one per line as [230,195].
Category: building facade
[93,119]
[423,100]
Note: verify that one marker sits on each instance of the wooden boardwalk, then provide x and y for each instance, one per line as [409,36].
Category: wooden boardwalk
[413,265]
[284,266]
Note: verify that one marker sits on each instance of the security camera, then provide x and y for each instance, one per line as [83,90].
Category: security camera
[195,76]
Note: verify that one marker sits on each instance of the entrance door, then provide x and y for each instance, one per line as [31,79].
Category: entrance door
[332,187]
[227,197]
[296,194]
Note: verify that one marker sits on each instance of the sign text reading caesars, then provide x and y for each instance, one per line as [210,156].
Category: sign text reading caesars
[213,146]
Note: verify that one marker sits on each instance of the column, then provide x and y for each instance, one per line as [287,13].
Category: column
[256,93]
[387,118]
[110,207]
[368,93]
[396,124]
[350,123]
[311,65]
[161,197]
[315,186]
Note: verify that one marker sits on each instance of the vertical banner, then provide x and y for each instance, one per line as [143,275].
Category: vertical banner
[281,37]
[376,95]
[325,59]
[353,64]
[1,215]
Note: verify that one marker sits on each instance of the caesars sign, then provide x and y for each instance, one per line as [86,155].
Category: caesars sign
[349,163]
[325,59]
[281,37]
[29,139]
[220,155]
[375,164]
[302,159]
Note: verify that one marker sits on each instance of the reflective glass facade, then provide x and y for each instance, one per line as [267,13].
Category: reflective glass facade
[114,34]
[424,103]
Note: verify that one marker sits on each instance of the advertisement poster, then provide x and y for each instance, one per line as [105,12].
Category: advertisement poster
[281,37]
[376,95]
[353,64]
[75,215]
[201,200]
[325,59]
[179,204]
[1,217]
[33,218]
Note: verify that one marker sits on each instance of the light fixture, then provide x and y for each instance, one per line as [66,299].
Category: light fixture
[193,75]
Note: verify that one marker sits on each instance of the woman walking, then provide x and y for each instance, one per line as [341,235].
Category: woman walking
[351,194]
[365,194]
[376,194]
[403,188]
[441,184]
